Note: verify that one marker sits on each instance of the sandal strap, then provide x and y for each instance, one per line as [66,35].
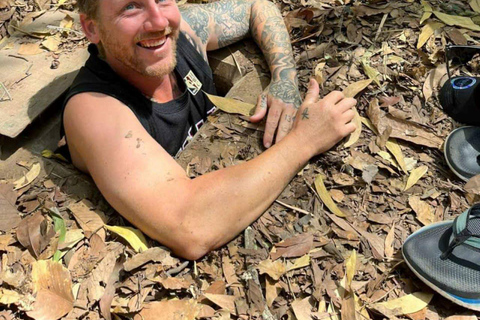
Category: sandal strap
[461,234]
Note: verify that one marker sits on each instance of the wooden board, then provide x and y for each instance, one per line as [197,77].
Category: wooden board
[29,95]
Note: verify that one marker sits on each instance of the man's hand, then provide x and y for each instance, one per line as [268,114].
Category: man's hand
[321,123]
[281,100]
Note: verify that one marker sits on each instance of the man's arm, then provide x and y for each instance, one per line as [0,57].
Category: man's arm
[192,217]
[218,24]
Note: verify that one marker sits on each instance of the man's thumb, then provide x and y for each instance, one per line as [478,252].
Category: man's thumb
[313,92]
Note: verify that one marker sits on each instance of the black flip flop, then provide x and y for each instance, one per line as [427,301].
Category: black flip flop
[446,256]
[462,152]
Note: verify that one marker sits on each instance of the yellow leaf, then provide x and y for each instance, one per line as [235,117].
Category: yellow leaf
[385,155]
[52,43]
[8,297]
[300,263]
[350,269]
[319,73]
[274,269]
[458,21]
[371,72]
[369,124]
[231,105]
[61,2]
[326,198]
[427,11]
[416,175]
[29,177]
[67,22]
[49,154]
[133,236]
[425,212]
[353,89]
[427,31]
[475,4]
[407,304]
[355,135]
[395,150]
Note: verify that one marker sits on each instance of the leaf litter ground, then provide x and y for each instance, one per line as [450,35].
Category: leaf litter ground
[328,248]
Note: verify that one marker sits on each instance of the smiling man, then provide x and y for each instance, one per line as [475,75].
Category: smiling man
[138,100]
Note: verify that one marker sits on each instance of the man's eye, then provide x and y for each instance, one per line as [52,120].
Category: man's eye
[130,6]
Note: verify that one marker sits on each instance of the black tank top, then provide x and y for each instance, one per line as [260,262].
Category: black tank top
[171,124]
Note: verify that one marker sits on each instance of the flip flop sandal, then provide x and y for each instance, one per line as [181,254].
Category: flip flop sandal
[446,256]
[462,152]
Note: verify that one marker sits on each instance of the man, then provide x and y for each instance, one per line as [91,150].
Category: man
[119,114]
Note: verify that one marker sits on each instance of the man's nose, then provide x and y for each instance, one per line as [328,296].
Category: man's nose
[155,20]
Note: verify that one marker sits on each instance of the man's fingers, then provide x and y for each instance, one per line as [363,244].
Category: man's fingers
[346,104]
[271,125]
[313,92]
[333,97]
[285,125]
[261,109]
[348,115]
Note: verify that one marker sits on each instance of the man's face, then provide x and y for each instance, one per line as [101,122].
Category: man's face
[140,36]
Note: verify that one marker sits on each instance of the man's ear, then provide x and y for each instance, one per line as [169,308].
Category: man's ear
[90,28]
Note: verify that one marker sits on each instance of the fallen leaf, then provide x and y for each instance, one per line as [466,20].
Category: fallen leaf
[231,105]
[59,226]
[475,5]
[229,270]
[427,31]
[402,129]
[394,148]
[272,290]
[133,236]
[299,263]
[9,216]
[53,286]
[52,43]
[355,88]
[425,212]
[302,309]
[433,80]
[275,269]
[295,246]
[66,22]
[389,242]
[32,233]
[175,283]
[326,198]
[169,310]
[407,304]
[29,177]
[372,73]
[376,243]
[222,300]
[415,175]
[29,49]
[8,297]
[89,220]
[458,21]
[473,185]
[155,254]
[355,135]
[350,265]
[427,11]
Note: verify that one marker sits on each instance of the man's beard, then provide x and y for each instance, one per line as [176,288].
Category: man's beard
[125,55]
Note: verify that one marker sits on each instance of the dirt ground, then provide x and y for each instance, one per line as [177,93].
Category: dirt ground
[330,245]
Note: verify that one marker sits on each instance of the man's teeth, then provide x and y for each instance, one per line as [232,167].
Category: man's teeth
[152,43]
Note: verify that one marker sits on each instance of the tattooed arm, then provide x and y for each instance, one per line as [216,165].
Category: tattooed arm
[219,24]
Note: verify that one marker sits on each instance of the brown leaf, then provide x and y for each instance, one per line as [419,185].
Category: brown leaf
[275,269]
[402,129]
[389,242]
[293,247]
[229,270]
[223,301]
[302,309]
[175,283]
[425,212]
[33,233]
[473,185]
[9,217]
[272,289]
[27,49]
[106,301]
[433,80]
[169,309]
[376,243]
[90,221]
[155,254]
[53,286]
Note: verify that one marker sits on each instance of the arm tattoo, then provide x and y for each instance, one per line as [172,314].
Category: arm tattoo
[196,46]
[229,18]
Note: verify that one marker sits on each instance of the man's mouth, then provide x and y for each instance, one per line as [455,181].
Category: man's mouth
[152,43]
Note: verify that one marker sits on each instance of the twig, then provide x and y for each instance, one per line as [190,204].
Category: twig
[293,208]
[178,269]
[381,26]
[19,57]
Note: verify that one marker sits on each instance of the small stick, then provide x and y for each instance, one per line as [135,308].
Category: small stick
[381,26]
[19,57]
[293,208]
